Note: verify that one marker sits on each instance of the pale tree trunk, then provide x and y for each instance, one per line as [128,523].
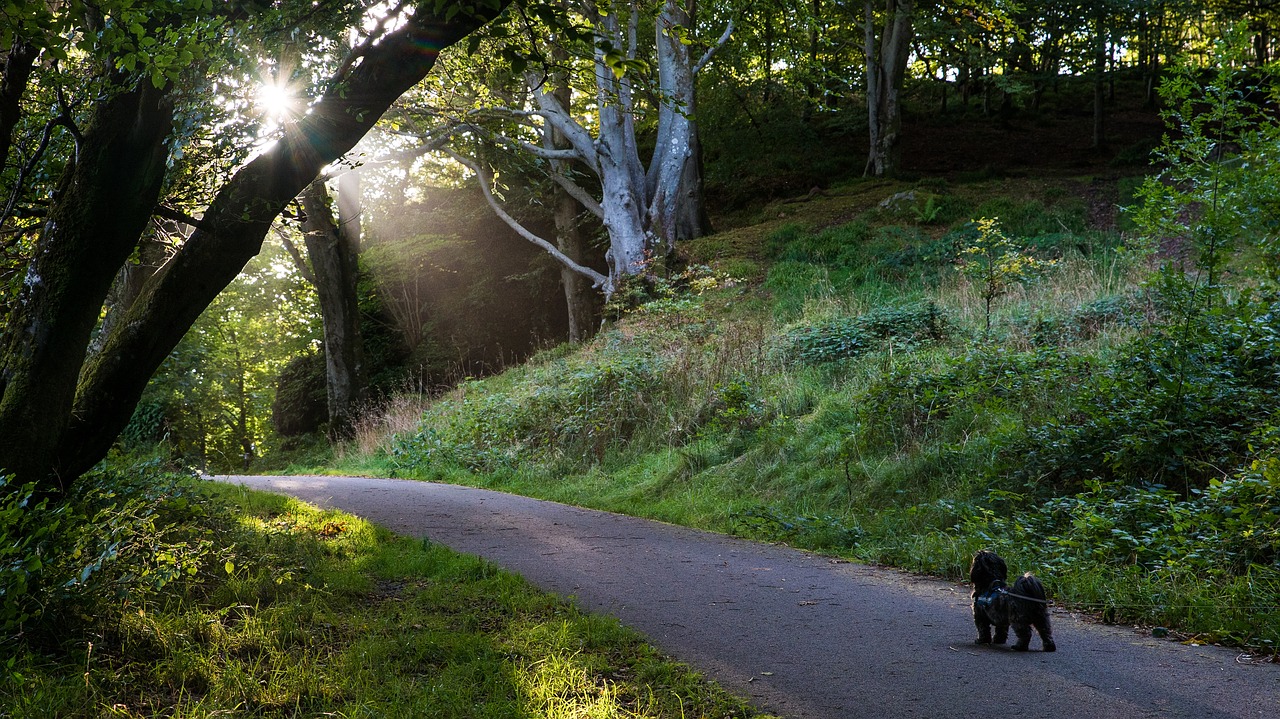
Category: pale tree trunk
[334,252]
[674,183]
[643,212]
[886,70]
[622,176]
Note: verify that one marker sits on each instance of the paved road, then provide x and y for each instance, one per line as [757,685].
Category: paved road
[802,635]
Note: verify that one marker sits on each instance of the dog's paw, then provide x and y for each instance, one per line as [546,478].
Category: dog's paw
[982,640]
[1050,647]
[1019,647]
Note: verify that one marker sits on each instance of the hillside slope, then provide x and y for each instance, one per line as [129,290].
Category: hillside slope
[860,372]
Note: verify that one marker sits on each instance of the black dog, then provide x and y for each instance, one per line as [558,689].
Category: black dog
[1022,606]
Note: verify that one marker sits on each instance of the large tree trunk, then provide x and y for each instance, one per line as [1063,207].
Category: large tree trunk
[622,176]
[334,251]
[674,181]
[52,429]
[886,69]
[104,201]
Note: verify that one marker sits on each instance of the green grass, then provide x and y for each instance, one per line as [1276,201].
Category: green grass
[318,613]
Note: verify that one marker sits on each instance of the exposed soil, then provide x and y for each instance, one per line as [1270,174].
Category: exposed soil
[804,635]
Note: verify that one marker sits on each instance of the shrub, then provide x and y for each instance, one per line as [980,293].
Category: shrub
[115,539]
[1176,408]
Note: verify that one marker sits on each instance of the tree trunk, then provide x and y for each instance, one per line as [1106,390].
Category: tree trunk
[578,295]
[17,72]
[334,252]
[886,70]
[674,183]
[1099,76]
[52,429]
[622,177]
[130,280]
[104,201]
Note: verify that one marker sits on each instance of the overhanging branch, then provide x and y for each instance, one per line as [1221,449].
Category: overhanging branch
[597,279]
[711,51]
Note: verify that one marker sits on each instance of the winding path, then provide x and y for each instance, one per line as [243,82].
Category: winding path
[802,635]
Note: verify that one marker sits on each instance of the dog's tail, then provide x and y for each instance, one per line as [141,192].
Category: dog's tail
[1030,587]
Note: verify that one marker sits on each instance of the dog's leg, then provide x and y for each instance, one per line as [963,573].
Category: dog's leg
[1002,634]
[984,626]
[1046,633]
[1024,637]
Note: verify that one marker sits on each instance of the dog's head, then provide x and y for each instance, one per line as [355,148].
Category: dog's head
[987,567]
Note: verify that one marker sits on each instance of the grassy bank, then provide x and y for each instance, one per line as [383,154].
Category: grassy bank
[277,609]
[836,380]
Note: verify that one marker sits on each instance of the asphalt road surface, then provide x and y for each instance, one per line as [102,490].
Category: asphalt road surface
[802,635]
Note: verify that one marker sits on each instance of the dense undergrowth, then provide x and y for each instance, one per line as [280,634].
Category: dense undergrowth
[1113,430]
[150,595]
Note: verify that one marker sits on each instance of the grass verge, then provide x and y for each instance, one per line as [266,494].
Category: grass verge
[319,613]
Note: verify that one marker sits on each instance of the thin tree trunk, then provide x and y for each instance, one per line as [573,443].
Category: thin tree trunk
[1099,76]
[334,252]
[886,70]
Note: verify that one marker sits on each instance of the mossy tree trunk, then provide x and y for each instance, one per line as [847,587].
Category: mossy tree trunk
[103,203]
[334,249]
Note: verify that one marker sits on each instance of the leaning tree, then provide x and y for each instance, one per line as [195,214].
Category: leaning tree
[112,95]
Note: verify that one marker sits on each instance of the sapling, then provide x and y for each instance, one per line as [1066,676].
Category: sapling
[997,264]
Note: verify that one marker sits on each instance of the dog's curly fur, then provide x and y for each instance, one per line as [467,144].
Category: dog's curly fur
[997,605]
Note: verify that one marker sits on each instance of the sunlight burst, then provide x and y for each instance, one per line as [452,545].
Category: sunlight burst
[277,101]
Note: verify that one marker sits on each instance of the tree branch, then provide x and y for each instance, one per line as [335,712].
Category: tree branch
[298,261]
[576,192]
[711,51]
[169,213]
[597,279]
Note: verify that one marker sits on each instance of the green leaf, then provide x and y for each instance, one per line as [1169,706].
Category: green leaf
[230,566]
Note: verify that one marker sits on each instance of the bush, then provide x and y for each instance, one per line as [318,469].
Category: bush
[1176,408]
[115,539]
[578,411]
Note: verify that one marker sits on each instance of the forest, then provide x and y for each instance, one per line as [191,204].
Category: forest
[893,281]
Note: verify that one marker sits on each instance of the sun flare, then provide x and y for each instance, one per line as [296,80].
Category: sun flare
[277,101]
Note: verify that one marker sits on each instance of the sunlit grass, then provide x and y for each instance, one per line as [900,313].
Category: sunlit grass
[324,614]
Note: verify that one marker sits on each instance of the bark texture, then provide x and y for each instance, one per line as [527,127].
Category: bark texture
[567,213]
[886,69]
[334,249]
[103,204]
